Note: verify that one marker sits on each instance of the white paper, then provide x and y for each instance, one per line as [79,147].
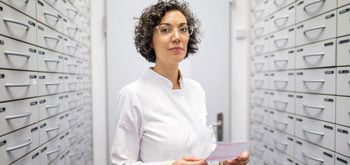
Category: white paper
[226,151]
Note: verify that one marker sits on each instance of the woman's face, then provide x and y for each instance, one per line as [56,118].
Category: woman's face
[170,38]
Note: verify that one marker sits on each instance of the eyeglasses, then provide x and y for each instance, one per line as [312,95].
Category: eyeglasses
[165,29]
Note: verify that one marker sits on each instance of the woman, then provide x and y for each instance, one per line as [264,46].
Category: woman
[163,117]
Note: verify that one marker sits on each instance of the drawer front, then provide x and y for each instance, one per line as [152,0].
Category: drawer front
[50,61]
[311,154]
[316,81]
[17,25]
[343,20]
[51,105]
[258,115]
[70,11]
[49,38]
[343,111]
[315,131]
[70,47]
[28,7]
[50,128]
[321,54]
[260,29]
[283,122]
[282,81]
[259,81]
[260,46]
[51,151]
[343,51]
[319,28]
[283,143]
[70,29]
[341,160]
[282,60]
[17,114]
[283,39]
[283,18]
[50,83]
[282,101]
[72,65]
[279,4]
[321,107]
[260,98]
[260,64]
[342,2]
[19,143]
[310,8]
[343,81]
[17,55]
[50,17]
[17,84]
[72,83]
[32,158]
[343,140]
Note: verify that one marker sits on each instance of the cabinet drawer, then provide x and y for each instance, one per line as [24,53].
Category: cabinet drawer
[72,83]
[343,51]
[343,140]
[50,61]
[341,160]
[310,8]
[260,46]
[50,83]
[17,114]
[282,60]
[320,28]
[316,81]
[32,158]
[70,47]
[51,105]
[260,64]
[28,7]
[258,116]
[275,5]
[52,127]
[283,39]
[283,122]
[19,143]
[17,25]
[283,143]
[260,29]
[70,29]
[72,65]
[70,11]
[311,154]
[49,38]
[321,54]
[49,16]
[320,107]
[344,20]
[343,112]
[260,81]
[17,55]
[51,151]
[260,98]
[283,81]
[282,101]
[315,131]
[343,81]
[283,18]
[279,158]
[17,84]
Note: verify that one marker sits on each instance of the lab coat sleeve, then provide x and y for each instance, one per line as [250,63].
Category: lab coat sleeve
[125,146]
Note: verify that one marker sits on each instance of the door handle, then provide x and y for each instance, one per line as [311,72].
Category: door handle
[219,125]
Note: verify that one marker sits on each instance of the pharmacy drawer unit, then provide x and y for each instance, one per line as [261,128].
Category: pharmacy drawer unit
[260,64]
[343,51]
[343,140]
[49,16]
[50,61]
[19,143]
[320,54]
[320,81]
[49,38]
[343,21]
[343,111]
[310,154]
[341,160]
[343,81]
[17,55]
[17,85]
[17,25]
[283,39]
[282,101]
[260,29]
[321,107]
[282,60]
[310,8]
[32,158]
[315,131]
[342,2]
[316,29]
[260,81]
[282,81]
[28,7]
[282,19]
[282,122]
[283,143]
[17,114]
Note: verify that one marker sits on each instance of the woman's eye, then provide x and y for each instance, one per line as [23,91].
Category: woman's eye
[165,30]
[184,29]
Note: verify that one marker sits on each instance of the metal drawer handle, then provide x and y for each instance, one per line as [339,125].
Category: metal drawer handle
[20,146]
[315,107]
[281,39]
[74,65]
[280,60]
[260,150]
[258,16]
[53,83]
[53,151]
[261,117]
[313,29]
[16,54]
[53,129]
[73,11]
[256,99]
[9,85]
[52,60]
[280,18]
[72,29]
[257,50]
[26,1]
[7,20]
[314,81]
[280,122]
[279,101]
[27,114]
[278,5]
[259,83]
[276,141]
[313,158]
[312,55]
[53,38]
[313,132]
[259,31]
[260,133]
[52,15]
[52,106]
[313,3]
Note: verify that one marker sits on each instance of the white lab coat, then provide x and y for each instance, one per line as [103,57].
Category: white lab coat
[158,125]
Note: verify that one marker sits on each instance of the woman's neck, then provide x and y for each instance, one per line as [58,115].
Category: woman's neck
[171,73]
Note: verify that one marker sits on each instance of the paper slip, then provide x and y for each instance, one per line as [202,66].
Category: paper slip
[225,151]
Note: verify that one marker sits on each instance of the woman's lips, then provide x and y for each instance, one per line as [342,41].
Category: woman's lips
[176,49]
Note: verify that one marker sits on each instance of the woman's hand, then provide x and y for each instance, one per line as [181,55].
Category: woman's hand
[242,159]
[190,160]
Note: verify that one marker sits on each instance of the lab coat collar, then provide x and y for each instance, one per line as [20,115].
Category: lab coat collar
[163,80]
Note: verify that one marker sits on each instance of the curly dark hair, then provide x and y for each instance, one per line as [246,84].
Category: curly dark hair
[152,16]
